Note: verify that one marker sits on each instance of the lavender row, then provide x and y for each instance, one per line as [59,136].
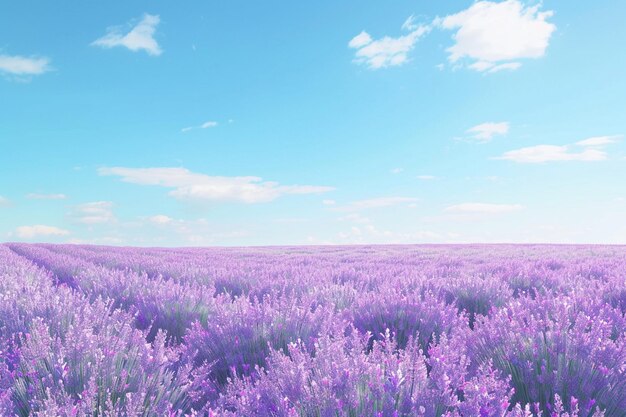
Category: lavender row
[62,355]
[403,330]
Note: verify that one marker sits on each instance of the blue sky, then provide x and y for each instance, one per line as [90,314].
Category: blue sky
[243,123]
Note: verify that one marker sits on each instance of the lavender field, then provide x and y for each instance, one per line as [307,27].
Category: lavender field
[483,330]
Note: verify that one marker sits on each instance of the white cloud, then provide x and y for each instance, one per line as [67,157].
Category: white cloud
[94,213]
[425,177]
[387,51]
[548,153]
[140,37]
[37,196]
[396,170]
[21,65]
[599,141]
[29,232]
[376,203]
[506,66]
[592,150]
[192,186]
[360,40]
[496,35]
[484,132]
[483,208]
[204,125]
[160,219]
[409,24]
[328,202]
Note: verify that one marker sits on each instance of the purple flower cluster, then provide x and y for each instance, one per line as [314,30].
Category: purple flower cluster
[453,331]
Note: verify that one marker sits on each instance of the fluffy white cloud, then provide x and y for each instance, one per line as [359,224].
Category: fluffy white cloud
[140,37]
[94,213]
[376,203]
[483,208]
[204,125]
[387,51]
[549,153]
[496,35]
[37,196]
[484,132]
[29,232]
[21,65]
[193,186]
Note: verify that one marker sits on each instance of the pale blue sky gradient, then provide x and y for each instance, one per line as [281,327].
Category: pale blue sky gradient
[341,151]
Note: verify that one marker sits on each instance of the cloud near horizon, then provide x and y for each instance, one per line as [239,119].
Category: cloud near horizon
[29,232]
[140,37]
[483,208]
[188,185]
[96,212]
[592,150]
[372,203]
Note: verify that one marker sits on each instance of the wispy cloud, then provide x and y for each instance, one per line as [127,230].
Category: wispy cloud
[373,203]
[495,36]
[483,208]
[24,66]
[387,51]
[30,232]
[410,24]
[160,219]
[188,185]
[38,196]
[426,177]
[204,125]
[484,132]
[396,171]
[94,213]
[4,202]
[589,150]
[140,37]
[599,141]
[355,218]
[547,153]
